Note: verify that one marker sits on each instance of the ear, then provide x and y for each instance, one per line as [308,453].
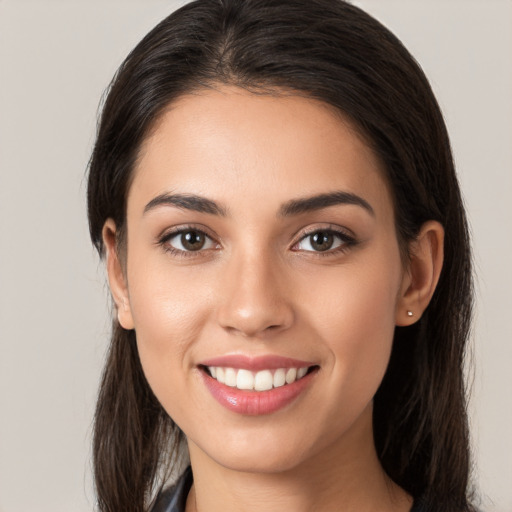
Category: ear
[422,274]
[116,276]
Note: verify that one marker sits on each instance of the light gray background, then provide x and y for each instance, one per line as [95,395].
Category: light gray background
[56,58]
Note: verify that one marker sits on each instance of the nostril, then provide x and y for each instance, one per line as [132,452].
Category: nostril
[254,306]
[249,329]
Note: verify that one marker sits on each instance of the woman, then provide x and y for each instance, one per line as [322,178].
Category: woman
[273,189]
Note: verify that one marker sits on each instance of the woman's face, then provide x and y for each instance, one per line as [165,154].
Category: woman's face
[261,240]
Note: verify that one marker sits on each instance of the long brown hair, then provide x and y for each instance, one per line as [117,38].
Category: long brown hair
[334,52]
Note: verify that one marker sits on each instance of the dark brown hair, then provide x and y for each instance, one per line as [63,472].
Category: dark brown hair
[334,52]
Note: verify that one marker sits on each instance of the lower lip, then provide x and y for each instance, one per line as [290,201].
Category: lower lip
[255,403]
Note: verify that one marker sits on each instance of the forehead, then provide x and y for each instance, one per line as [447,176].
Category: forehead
[238,147]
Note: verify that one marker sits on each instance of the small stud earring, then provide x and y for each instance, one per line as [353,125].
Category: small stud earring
[410,313]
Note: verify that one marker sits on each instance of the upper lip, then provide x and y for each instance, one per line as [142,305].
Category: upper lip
[251,363]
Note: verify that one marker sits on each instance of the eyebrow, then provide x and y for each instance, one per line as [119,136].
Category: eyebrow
[187,202]
[320,201]
[288,209]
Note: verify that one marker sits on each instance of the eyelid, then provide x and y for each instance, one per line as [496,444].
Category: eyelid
[170,233]
[181,228]
[333,228]
[347,237]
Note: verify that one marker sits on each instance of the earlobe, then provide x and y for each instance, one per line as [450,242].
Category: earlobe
[422,275]
[116,276]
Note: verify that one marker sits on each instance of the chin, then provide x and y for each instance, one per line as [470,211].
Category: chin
[261,462]
[266,455]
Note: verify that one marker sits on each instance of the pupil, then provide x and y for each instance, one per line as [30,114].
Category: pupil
[192,240]
[322,241]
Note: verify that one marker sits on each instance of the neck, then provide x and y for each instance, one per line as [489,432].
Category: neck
[346,476]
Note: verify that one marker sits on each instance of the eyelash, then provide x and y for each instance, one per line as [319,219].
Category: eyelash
[346,241]
[163,241]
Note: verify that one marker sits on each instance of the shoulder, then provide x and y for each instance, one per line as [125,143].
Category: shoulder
[174,498]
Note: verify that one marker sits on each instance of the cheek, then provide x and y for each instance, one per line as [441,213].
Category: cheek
[355,317]
[166,300]
[169,311]
[362,296]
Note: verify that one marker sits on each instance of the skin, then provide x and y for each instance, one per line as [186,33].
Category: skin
[258,287]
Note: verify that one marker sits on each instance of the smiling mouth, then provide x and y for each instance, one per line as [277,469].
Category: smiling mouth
[262,380]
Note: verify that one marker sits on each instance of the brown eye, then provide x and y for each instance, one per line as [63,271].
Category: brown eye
[325,240]
[188,240]
[193,240]
[321,241]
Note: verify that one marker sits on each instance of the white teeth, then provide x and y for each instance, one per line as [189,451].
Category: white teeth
[257,381]
[291,375]
[230,377]
[301,372]
[279,378]
[245,379]
[263,381]
[220,374]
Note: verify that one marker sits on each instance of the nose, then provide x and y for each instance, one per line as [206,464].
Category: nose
[254,297]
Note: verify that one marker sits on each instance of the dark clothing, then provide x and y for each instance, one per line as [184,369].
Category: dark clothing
[174,499]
